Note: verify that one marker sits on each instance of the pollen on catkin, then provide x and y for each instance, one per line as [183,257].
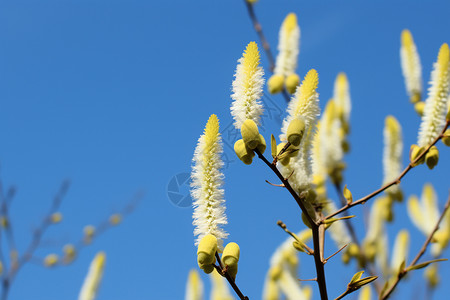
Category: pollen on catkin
[206,187]
[93,278]
[433,119]
[288,48]
[304,105]
[247,87]
[392,155]
[411,67]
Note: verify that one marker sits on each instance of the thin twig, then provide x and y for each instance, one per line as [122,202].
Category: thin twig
[314,227]
[421,252]
[222,271]
[329,257]
[393,182]
[264,42]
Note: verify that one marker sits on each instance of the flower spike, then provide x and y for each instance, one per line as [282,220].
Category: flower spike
[247,87]
[411,67]
[392,155]
[286,62]
[206,187]
[304,106]
[433,118]
[93,278]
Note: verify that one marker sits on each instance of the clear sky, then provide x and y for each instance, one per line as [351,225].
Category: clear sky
[113,95]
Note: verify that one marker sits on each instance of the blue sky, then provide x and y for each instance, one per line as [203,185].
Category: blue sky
[113,95]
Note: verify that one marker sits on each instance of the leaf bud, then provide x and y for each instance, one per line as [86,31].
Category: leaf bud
[414,153]
[230,256]
[432,157]
[284,158]
[295,131]
[206,250]
[419,107]
[243,152]
[51,260]
[56,217]
[262,144]
[250,134]
[446,138]
[292,81]
[275,83]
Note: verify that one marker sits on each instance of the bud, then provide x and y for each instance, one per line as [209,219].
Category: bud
[69,253]
[432,157]
[262,145]
[275,83]
[415,97]
[414,153]
[419,107]
[250,134]
[295,131]
[230,256]
[51,260]
[292,81]
[353,250]
[115,219]
[89,231]
[446,138]
[348,195]
[56,217]
[206,250]
[207,268]
[243,152]
[283,159]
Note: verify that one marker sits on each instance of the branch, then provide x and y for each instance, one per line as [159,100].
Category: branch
[314,227]
[393,182]
[222,271]
[422,250]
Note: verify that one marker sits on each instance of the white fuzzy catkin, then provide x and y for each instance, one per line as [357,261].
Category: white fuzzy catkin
[194,286]
[93,278]
[410,63]
[392,153]
[288,46]
[206,187]
[303,105]
[248,87]
[219,289]
[331,137]
[341,96]
[433,119]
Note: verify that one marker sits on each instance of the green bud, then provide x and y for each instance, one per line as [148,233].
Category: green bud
[415,152]
[207,268]
[243,152]
[206,250]
[432,157]
[230,256]
[419,107]
[275,83]
[415,97]
[446,138]
[292,81]
[262,144]
[295,131]
[284,158]
[250,134]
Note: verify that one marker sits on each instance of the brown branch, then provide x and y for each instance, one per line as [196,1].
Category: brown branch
[223,271]
[393,182]
[421,252]
[314,227]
